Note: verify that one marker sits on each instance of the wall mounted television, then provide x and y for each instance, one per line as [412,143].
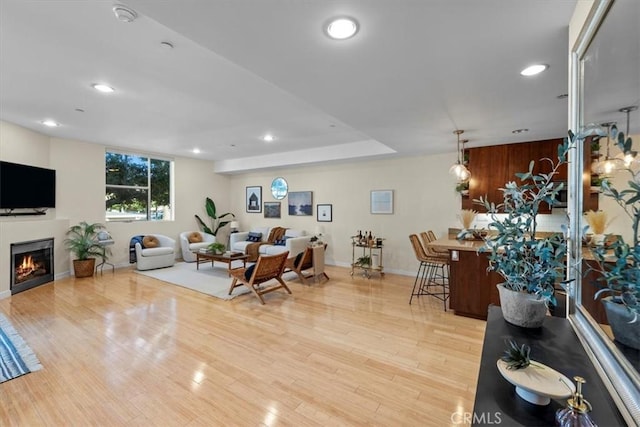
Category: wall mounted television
[26,187]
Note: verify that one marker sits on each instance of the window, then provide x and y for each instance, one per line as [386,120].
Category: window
[138,188]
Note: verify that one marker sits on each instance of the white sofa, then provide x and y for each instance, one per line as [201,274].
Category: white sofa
[296,242]
[162,256]
[188,248]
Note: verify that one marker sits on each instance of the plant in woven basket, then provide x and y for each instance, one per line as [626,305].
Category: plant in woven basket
[82,241]
[515,356]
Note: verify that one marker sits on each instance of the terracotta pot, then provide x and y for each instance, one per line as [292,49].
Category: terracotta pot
[522,309]
[84,267]
[619,317]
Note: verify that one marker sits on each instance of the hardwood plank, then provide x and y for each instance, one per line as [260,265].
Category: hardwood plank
[126,349]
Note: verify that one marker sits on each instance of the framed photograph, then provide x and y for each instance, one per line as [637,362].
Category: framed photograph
[382,201]
[272,209]
[325,213]
[300,203]
[254,199]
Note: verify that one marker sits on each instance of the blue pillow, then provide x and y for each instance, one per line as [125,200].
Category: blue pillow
[254,237]
[281,242]
[248,272]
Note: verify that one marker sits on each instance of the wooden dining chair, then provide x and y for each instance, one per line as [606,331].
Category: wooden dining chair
[267,268]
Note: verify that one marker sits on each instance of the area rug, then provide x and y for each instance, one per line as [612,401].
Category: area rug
[214,281]
[16,358]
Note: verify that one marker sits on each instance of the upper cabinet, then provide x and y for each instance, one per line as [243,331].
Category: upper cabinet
[492,167]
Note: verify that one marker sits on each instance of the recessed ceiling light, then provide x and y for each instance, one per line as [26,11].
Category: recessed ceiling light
[166,45]
[268,138]
[124,13]
[342,28]
[79,110]
[520,130]
[50,123]
[196,151]
[103,88]
[533,70]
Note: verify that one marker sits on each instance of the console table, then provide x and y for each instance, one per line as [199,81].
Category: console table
[556,345]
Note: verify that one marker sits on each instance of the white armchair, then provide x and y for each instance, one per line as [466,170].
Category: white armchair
[188,247]
[163,255]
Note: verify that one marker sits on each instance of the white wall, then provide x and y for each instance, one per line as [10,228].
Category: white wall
[80,189]
[424,199]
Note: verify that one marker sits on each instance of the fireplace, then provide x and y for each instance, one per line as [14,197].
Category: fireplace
[31,264]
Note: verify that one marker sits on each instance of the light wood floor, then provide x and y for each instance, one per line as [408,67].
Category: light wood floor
[126,349]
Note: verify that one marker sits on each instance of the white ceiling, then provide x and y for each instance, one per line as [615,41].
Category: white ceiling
[416,70]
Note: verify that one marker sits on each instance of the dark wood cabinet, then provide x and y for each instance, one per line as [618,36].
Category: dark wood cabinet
[471,287]
[491,167]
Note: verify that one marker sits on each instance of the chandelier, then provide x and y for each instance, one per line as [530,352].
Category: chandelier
[609,164]
[459,170]
[627,156]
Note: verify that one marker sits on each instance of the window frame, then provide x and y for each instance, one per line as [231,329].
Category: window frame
[168,214]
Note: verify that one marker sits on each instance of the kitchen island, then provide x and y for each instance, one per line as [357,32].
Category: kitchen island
[471,287]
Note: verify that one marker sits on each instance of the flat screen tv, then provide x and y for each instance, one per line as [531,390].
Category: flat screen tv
[23,186]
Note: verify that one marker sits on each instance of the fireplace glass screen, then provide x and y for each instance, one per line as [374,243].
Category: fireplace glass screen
[31,264]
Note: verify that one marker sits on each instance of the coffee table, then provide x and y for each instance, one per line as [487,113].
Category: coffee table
[226,258]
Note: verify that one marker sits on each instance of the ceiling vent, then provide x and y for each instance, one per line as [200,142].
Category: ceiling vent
[124,13]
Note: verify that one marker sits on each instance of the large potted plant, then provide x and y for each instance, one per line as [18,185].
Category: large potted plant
[217,222]
[618,262]
[530,263]
[82,242]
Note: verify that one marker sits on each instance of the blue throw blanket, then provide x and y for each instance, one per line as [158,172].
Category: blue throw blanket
[132,247]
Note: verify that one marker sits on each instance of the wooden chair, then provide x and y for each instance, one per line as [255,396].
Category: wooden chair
[310,265]
[266,268]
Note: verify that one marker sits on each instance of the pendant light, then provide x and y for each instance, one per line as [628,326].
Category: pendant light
[459,170]
[627,156]
[608,165]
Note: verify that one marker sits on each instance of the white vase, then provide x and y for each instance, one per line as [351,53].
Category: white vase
[598,239]
[375,263]
[522,309]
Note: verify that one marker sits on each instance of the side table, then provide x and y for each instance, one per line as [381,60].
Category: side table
[105,243]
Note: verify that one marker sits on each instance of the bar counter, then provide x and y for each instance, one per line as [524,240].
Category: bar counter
[471,287]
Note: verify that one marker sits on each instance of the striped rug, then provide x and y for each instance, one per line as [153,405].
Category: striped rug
[16,358]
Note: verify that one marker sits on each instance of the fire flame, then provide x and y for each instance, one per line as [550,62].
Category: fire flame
[26,267]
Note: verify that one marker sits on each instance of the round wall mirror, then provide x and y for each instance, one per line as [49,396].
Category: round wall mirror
[279,188]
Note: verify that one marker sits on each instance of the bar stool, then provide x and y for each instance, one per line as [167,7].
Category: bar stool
[433,273]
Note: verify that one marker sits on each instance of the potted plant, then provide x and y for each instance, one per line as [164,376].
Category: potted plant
[530,263]
[462,188]
[618,262]
[82,242]
[217,222]
[364,261]
[217,248]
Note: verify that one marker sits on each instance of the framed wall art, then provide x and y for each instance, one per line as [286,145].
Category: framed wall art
[254,199]
[272,209]
[300,203]
[382,201]
[324,212]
